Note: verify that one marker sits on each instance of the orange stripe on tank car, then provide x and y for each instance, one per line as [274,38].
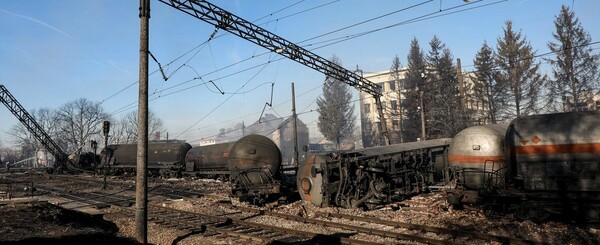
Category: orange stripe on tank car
[557,149]
[473,159]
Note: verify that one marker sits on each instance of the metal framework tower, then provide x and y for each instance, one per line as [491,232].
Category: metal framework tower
[29,122]
[233,24]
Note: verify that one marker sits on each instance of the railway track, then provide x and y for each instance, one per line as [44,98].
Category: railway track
[65,188]
[451,234]
[76,183]
[191,222]
[237,222]
[211,225]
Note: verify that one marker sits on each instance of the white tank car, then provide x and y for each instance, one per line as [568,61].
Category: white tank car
[477,156]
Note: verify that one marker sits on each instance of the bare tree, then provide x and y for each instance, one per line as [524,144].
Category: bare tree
[519,71]
[575,68]
[78,121]
[47,119]
[11,155]
[336,111]
[125,130]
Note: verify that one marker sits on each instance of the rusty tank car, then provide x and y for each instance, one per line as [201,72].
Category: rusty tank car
[209,160]
[251,163]
[254,163]
[165,157]
[555,161]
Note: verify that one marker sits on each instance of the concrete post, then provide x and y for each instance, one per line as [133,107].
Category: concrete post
[141,187]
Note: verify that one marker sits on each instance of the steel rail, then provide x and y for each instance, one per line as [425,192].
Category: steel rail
[396,224]
[306,234]
[391,234]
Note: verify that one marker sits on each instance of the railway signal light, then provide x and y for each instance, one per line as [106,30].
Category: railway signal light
[106,128]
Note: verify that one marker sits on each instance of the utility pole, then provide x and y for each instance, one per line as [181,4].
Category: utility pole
[422,115]
[141,187]
[295,117]
[461,84]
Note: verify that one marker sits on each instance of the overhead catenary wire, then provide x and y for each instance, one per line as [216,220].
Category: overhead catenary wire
[214,109]
[253,56]
[280,117]
[427,82]
[432,15]
[199,46]
[261,54]
[344,38]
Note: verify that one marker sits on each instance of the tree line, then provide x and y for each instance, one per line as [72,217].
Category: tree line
[507,81]
[73,126]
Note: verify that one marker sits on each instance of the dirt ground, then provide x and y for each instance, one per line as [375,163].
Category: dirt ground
[36,222]
[43,223]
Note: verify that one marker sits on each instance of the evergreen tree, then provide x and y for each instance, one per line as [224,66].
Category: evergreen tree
[444,118]
[398,112]
[415,82]
[575,68]
[519,71]
[336,111]
[488,88]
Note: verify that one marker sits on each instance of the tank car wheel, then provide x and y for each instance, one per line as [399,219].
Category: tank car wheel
[258,201]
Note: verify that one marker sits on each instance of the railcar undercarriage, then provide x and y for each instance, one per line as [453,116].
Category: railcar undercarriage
[370,178]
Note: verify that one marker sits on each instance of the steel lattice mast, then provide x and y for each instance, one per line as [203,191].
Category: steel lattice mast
[29,122]
[231,23]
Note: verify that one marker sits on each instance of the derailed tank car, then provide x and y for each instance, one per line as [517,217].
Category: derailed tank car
[371,177]
[555,160]
[168,158]
[251,163]
[476,161]
[209,160]
[254,163]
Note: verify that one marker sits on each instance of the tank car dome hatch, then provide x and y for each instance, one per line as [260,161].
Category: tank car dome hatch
[310,180]
[477,153]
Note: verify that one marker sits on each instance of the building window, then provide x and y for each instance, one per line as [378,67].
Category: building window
[367,108]
[401,83]
[392,85]
[396,125]
[394,105]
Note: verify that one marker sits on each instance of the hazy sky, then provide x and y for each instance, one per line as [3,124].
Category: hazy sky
[56,51]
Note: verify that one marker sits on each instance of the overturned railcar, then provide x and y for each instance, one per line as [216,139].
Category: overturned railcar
[371,177]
